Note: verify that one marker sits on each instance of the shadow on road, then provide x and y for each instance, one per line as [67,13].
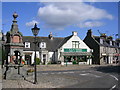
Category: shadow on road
[108,69]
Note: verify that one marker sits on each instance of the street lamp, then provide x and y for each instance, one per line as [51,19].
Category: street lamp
[35,31]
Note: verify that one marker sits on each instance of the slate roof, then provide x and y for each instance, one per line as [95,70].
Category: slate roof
[51,45]
[64,41]
[105,42]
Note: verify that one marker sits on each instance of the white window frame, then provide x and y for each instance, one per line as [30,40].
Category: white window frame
[75,44]
[42,44]
[27,43]
[111,43]
[101,41]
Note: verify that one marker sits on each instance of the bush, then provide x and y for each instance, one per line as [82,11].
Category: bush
[74,62]
[38,61]
[23,62]
[81,60]
[49,63]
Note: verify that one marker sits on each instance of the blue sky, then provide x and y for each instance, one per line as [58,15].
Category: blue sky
[62,18]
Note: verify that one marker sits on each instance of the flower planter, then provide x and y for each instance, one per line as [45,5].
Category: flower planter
[81,63]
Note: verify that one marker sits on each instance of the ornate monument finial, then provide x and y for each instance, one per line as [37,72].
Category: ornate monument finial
[14,27]
[15,15]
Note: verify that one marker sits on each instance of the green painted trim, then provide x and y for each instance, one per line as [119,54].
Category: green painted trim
[74,50]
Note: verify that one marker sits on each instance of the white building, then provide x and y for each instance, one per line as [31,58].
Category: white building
[53,49]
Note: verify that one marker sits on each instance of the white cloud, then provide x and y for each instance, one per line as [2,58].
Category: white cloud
[32,23]
[90,24]
[61,15]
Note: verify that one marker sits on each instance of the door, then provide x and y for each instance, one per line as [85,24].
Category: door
[107,60]
[44,58]
[28,59]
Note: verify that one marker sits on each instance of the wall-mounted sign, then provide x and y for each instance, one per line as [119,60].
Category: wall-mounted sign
[74,50]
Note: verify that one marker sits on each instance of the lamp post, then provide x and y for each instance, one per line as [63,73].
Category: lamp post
[35,31]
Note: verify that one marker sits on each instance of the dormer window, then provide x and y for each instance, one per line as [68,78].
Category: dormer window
[111,43]
[114,43]
[27,44]
[101,41]
[42,45]
[75,44]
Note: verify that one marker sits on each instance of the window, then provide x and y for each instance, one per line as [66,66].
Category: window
[42,45]
[75,44]
[101,41]
[27,44]
[111,43]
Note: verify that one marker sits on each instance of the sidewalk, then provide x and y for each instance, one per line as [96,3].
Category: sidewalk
[0,78]
[60,67]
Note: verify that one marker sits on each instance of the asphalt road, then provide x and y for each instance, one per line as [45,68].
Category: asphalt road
[102,77]
[88,78]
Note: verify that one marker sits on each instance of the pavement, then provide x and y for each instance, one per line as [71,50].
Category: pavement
[0,78]
[57,76]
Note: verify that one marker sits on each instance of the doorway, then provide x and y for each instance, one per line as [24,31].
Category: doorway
[28,59]
[44,58]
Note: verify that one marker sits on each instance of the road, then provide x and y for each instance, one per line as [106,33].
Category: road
[92,77]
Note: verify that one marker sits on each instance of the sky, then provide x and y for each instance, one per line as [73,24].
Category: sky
[61,18]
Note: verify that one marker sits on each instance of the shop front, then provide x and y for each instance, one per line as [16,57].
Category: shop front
[76,56]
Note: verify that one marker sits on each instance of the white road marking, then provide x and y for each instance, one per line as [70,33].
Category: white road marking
[90,74]
[114,77]
[96,75]
[84,74]
[70,72]
[65,72]
[52,73]
[83,71]
[44,73]
[113,87]
[59,73]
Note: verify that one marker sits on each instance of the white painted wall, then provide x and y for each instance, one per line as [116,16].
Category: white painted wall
[89,61]
[68,44]
[50,54]
[33,55]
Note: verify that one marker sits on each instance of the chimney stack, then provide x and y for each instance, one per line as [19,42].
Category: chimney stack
[89,33]
[50,36]
[74,33]
[110,38]
[103,35]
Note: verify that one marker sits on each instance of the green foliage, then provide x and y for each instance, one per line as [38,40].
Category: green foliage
[30,70]
[49,63]
[74,62]
[38,61]
[82,60]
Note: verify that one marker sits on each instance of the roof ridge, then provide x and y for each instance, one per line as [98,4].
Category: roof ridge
[43,36]
[63,41]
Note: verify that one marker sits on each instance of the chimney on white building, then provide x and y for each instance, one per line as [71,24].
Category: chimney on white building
[74,33]
[50,36]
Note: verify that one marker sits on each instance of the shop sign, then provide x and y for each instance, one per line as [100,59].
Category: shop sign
[74,50]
